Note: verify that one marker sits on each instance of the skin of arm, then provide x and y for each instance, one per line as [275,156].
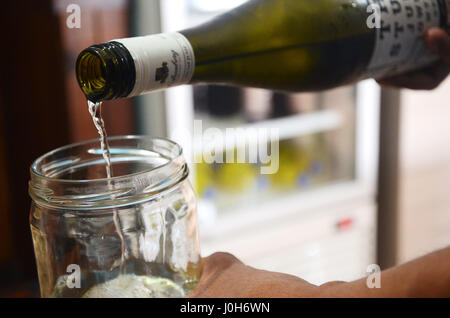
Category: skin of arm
[427,276]
[224,276]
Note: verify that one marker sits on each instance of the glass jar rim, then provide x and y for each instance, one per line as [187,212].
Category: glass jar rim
[35,172]
[103,193]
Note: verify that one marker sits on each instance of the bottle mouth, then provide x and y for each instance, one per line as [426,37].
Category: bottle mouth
[74,176]
[91,74]
[106,71]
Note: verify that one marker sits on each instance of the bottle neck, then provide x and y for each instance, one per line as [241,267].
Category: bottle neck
[161,61]
[106,71]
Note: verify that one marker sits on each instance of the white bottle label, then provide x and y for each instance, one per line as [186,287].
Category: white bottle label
[399,45]
[161,61]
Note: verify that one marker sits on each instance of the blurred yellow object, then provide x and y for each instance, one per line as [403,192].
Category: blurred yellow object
[204,177]
[236,177]
[293,161]
[319,166]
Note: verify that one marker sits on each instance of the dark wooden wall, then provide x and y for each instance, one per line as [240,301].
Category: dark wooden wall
[34,117]
[41,108]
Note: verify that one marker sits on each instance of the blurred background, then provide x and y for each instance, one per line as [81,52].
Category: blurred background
[363,175]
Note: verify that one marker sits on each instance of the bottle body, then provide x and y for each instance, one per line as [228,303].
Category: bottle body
[290,45]
[301,45]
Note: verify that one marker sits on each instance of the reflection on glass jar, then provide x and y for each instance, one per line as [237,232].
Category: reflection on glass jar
[134,235]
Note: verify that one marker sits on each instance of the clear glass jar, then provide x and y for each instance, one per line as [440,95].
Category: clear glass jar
[134,235]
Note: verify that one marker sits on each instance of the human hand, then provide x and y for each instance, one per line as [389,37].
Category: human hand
[438,41]
[224,276]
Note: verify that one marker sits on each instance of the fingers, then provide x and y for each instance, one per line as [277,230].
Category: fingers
[427,79]
[213,266]
[439,42]
[218,262]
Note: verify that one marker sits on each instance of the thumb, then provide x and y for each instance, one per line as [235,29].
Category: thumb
[439,42]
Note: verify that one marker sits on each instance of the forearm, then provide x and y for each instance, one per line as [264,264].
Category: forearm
[428,276]
[225,276]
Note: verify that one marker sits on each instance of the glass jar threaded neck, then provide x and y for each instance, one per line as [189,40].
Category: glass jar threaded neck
[73,177]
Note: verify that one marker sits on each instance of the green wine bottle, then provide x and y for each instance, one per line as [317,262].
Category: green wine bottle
[290,45]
